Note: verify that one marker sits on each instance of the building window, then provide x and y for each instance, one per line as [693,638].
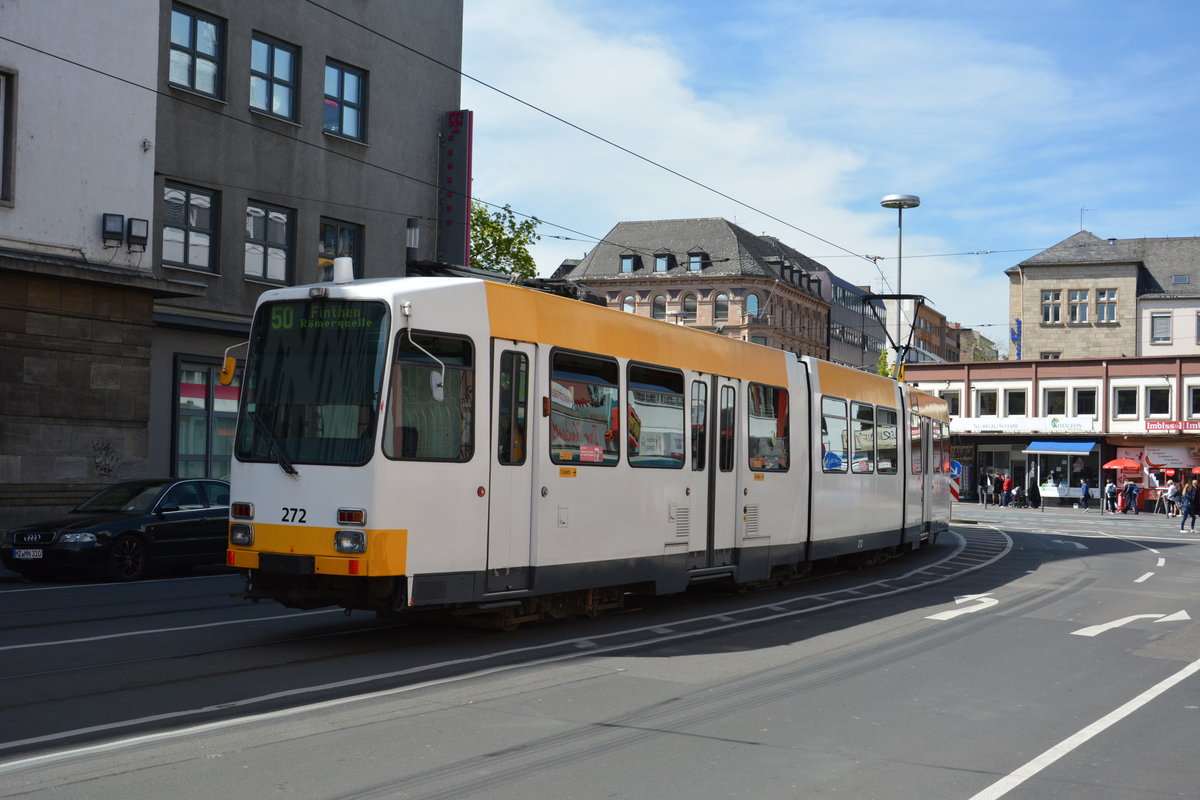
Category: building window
[721,310]
[1050,356]
[1194,401]
[197,41]
[1051,307]
[951,398]
[1125,401]
[268,243]
[658,307]
[1014,403]
[752,305]
[1056,402]
[627,304]
[206,414]
[1197,324]
[987,403]
[1160,329]
[189,228]
[627,263]
[1077,307]
[696,261]
[273,77]
[8,134]
[1181,278]
[339,240]
[1106,305]
[1158,401]
[1085,402]
[345,101]
[662,263]
[689,308]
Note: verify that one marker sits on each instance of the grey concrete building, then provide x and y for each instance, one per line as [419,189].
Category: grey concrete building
[242,146]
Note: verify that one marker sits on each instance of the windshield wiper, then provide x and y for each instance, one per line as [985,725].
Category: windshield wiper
[277,450]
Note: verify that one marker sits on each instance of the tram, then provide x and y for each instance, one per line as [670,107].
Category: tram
[455,444]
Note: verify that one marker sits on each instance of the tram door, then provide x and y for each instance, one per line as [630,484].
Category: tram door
[510,491]
[917,480]
[721,509]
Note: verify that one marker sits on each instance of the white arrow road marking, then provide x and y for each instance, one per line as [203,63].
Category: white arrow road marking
[1096,630]
[982,599]
[1077,544]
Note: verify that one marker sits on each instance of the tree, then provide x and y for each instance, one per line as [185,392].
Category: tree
[883,368]
[500,242]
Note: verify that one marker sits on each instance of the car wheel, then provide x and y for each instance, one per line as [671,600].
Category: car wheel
[127,558]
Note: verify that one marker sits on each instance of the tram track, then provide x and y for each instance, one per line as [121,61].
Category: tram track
[975,549]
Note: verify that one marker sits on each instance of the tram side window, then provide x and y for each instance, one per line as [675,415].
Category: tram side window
[916,451]
[833,434]
[431,402]
[939,447]
[885,437]
[512,404]
[728,421]
[655,417]
[767,428]
[862,436]
[699,424]
[584,410]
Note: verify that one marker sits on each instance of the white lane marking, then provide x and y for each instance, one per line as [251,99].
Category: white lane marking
[1145,577]
[1162,562]
[1024,773]
[176,629]
[1078,546]
[982,599]
[1096,630]
[120,744]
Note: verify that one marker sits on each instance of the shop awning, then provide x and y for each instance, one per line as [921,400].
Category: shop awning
[1059,448]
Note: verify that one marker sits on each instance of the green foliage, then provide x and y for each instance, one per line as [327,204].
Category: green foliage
[884,369]
[500,242]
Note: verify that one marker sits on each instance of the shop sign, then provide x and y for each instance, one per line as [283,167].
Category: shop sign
[1022,424]
[1171,425]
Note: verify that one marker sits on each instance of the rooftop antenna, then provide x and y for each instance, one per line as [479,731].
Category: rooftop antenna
[1081,216]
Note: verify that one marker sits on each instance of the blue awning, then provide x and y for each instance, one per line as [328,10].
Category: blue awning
[1059,448]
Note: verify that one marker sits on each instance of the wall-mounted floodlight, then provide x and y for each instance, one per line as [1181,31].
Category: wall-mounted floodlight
[112,229]
[137,232]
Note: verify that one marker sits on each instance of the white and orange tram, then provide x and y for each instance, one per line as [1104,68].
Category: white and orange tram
[453,443]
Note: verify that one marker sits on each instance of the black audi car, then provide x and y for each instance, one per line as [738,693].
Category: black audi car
[125,530]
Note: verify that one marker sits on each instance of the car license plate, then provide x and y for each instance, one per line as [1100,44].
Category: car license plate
[27,554]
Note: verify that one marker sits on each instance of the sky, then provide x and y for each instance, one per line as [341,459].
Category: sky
[1017,124]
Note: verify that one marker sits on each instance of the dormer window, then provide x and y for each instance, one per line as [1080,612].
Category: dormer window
[1181,279]
[628,263]
[696,261]
[662,262]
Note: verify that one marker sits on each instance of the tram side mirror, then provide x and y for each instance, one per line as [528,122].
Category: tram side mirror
[228,367]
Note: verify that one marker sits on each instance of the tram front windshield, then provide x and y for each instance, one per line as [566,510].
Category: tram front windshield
[313,379]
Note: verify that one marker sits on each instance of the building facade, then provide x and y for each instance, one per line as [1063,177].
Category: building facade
[1054,422]
[1087,297]
[254,143]
[712,274]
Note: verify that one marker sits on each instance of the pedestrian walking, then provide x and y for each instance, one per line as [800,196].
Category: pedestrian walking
[1131,492]
[985,489]
[1189,504]
[1110,496]
[1083,494]
[1008,491]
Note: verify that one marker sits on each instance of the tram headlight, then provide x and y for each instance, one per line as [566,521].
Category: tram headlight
[350,541]
[241,535]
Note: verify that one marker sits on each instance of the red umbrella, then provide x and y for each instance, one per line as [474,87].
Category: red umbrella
[1196,470]
[1128,463]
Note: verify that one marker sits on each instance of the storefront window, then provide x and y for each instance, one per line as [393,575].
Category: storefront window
[206,416]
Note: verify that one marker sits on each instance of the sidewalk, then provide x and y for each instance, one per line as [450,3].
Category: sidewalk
[964,511]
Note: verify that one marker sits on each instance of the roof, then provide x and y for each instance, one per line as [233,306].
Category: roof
[1157,260]
[730,249]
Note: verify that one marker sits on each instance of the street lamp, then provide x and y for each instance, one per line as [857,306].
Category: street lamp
[900,202]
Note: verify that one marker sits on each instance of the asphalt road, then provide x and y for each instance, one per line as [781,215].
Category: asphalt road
[1029,655]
